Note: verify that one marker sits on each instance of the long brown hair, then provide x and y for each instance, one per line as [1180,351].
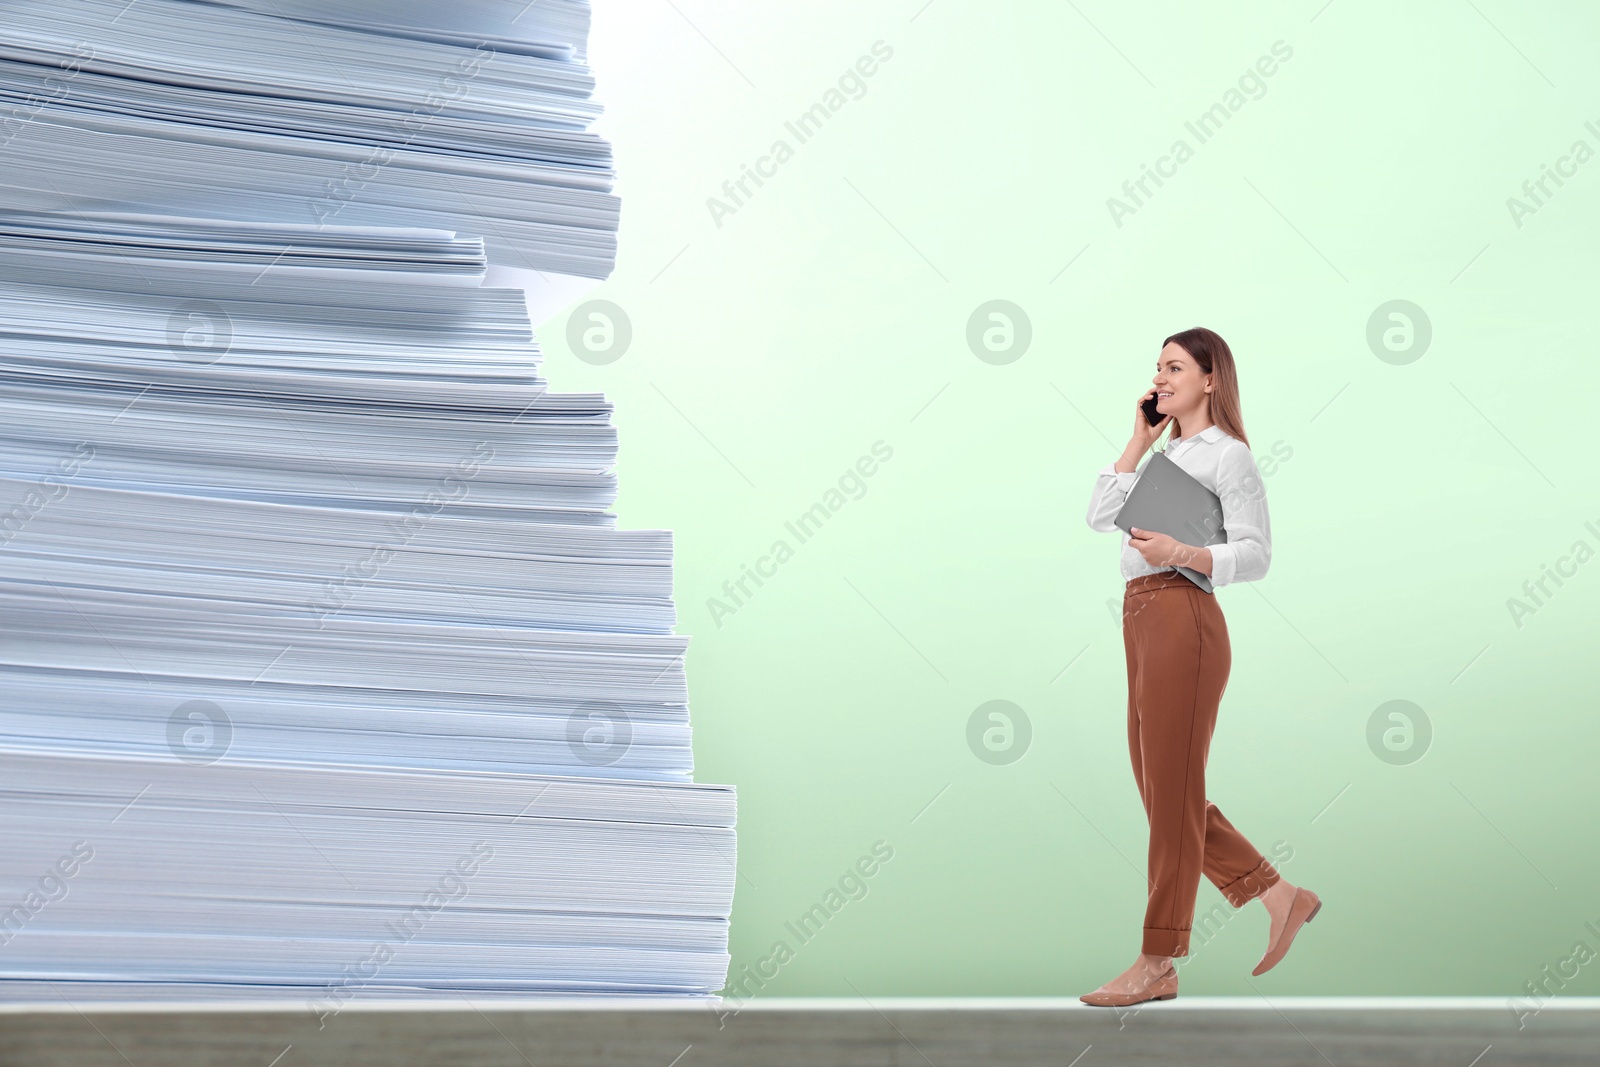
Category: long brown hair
[1214,356]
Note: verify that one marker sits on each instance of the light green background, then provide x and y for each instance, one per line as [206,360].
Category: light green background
[770,353]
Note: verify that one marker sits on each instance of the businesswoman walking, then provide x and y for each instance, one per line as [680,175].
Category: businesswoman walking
[1176,642]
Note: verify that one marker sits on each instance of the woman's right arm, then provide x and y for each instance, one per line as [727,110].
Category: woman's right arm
[1111,487]
[1116,478]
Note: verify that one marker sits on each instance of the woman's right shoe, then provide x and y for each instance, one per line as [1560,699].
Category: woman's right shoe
[1163,988]
[1302,909]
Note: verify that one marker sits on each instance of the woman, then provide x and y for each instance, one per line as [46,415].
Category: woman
[1176,642]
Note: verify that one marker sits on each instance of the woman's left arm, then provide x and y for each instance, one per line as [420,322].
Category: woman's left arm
[1247,553]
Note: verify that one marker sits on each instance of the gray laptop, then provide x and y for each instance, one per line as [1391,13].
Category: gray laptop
[1167,499]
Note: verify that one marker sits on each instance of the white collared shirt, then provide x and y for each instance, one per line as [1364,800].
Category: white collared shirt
[1223,464]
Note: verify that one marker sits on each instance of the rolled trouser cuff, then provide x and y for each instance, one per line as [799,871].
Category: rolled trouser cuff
[1161,941]
[1262,877]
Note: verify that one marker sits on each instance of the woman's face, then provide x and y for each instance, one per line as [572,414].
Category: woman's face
[1178,374]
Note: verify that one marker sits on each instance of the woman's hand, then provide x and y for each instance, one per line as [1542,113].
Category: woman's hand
[1160,550]
[1144,434]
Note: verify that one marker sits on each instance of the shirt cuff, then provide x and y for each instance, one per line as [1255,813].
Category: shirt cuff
[1111,469]
[1224,563]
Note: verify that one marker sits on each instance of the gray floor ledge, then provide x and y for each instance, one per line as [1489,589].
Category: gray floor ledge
[937,1032]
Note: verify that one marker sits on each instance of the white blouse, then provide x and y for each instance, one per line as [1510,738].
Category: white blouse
[1224,465]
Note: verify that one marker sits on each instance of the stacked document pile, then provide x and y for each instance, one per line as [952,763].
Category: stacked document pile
[470,116]
[327,672]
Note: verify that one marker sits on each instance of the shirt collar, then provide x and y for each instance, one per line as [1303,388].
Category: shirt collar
[1210,433]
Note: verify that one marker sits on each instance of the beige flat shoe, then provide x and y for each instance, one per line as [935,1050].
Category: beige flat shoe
[1163,988]
[1302,909]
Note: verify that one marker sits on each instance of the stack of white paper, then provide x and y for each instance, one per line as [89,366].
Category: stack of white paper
[328,673]
[471,117]
[152,878]
[559,27]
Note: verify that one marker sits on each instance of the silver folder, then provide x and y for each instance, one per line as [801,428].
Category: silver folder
[1166,498]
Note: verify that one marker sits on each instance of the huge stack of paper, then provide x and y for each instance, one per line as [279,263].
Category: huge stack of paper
[328,673]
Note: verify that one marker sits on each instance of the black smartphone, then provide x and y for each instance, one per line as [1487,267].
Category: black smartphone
[1150,411]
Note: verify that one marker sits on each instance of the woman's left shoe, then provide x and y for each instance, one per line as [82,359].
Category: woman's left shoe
[1302,909]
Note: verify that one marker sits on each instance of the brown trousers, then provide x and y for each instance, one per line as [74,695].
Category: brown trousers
[1178,660]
